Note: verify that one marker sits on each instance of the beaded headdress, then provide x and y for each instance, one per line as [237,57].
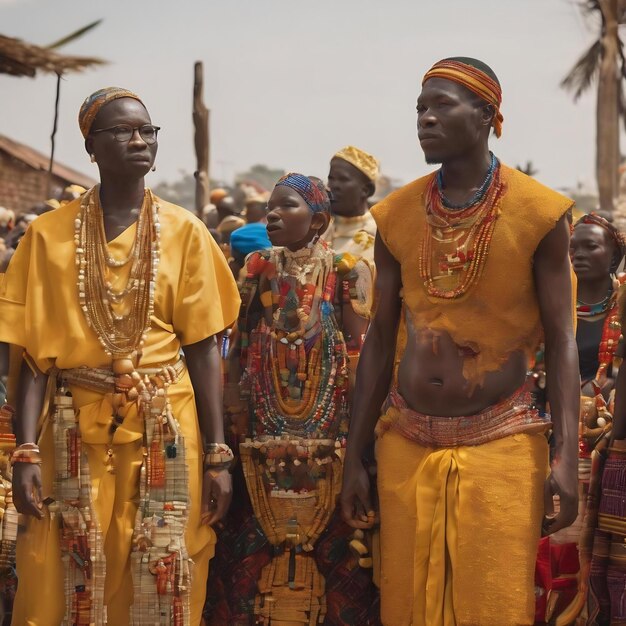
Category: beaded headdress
[311,190]
[469,73]
[616,234]
[93,103]
[363,161]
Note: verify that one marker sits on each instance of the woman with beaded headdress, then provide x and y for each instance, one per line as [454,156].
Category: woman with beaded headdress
[303,311]
[603,546]
[125,471]
[597,249]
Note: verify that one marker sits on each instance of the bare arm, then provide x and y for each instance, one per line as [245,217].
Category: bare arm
[554,290]
[204,365]
[374,375]
[31,394]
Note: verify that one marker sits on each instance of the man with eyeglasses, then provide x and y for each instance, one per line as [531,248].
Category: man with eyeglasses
[120,483]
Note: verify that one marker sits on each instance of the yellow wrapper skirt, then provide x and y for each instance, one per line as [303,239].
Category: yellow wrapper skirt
[460,528]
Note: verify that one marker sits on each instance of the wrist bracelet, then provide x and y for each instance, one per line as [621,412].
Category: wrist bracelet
[35,460]
[26,453]
[218,455]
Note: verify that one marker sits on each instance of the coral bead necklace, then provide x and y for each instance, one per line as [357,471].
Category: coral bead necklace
[456,243]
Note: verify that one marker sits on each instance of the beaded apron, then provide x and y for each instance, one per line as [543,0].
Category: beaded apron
[160,566]
[296,383]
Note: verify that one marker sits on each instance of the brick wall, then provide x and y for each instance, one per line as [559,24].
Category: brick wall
[22,186]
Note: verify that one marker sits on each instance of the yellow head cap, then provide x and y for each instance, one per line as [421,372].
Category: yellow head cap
[363,161]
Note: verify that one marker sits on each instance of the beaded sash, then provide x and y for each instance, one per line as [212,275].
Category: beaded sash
[509,417]
[160,565]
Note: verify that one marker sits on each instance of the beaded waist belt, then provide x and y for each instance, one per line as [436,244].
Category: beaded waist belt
[102,380]
[509,417]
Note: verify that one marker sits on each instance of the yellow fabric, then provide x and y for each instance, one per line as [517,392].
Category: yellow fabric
[504,300]
[354,235]
[459,531]
[196,297]
[39,297]
[362,160]
[40,600]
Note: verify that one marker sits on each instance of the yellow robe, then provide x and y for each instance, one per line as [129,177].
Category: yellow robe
[196,297]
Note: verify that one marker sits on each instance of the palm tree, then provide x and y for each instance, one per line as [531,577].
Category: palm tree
[604,61]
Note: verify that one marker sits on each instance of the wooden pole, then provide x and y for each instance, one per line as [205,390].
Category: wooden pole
[54,132]
[201,140]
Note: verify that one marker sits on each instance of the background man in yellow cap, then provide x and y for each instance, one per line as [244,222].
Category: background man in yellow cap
[352,180]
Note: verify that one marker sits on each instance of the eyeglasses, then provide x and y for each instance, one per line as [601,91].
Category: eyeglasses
[124,132]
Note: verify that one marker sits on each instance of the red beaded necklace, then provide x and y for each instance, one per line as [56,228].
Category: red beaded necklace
[611,333]
[455,246]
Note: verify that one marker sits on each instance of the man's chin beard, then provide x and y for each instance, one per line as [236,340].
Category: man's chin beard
[432,160]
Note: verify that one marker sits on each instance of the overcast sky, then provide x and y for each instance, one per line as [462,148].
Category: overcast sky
[290,82]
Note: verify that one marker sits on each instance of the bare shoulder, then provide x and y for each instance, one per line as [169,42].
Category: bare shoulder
[553,250]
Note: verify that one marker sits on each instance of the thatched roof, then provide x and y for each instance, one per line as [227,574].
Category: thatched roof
[19,58]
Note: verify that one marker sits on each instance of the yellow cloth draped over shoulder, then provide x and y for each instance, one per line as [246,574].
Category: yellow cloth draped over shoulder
[460,523]
[196,297]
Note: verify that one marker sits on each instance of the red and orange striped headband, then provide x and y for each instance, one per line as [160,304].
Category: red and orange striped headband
[473,79]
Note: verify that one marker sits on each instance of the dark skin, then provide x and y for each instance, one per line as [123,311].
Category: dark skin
[454,131]
[350,188]
[594,256]
[123,166]
[292,224]
[593,252]
[290,221]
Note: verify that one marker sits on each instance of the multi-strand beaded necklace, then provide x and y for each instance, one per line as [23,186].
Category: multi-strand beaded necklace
[296,360]
[457,239]
[611,329]
[121,318]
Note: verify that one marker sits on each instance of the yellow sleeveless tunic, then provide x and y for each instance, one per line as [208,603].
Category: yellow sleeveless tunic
[499,314]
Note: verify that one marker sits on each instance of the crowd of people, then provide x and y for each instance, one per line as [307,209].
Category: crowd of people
[301,409]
